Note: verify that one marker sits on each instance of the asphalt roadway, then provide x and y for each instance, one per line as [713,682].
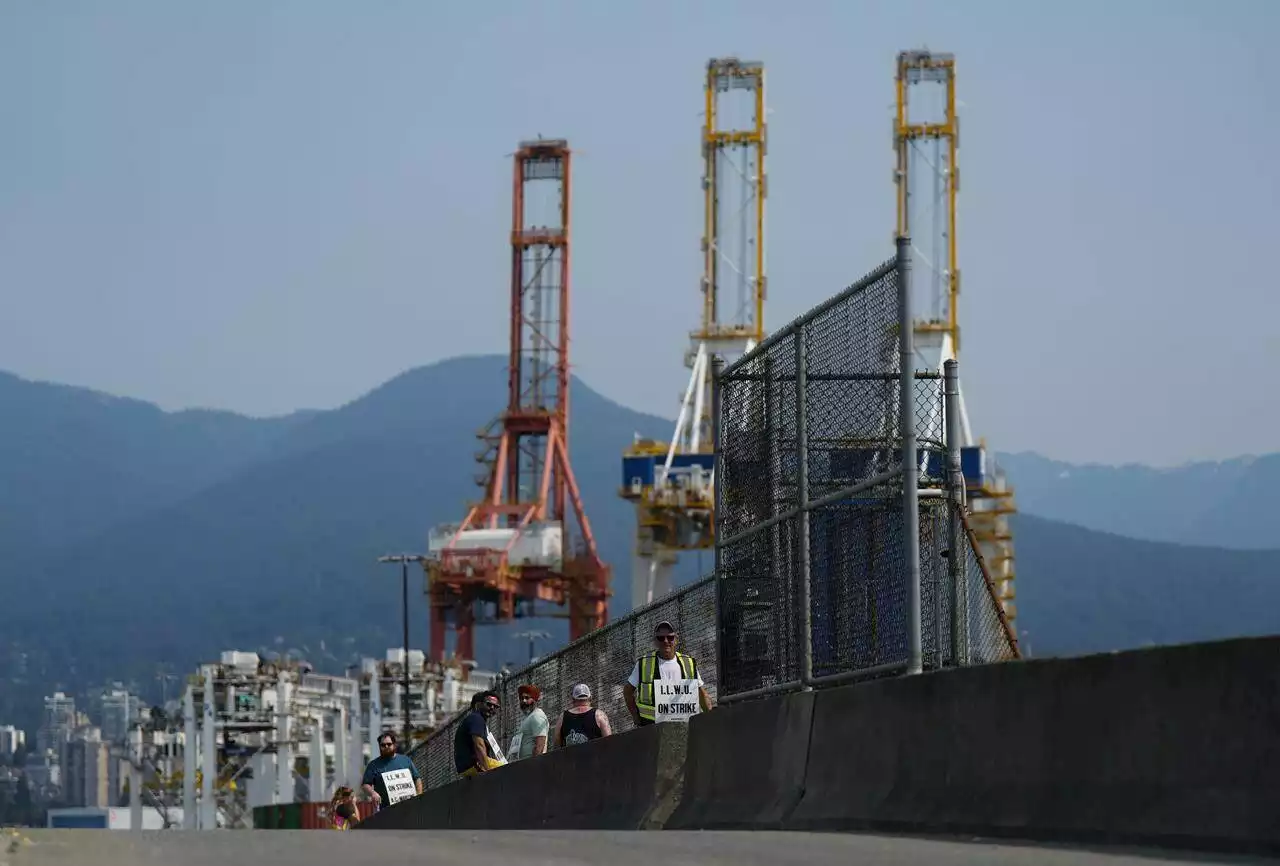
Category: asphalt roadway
[544,848]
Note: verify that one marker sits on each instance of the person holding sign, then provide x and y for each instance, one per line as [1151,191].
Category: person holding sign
[390,778]
[475,749]
[531,737]
[664,686]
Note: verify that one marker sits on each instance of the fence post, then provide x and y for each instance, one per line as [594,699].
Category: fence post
[956,558]
[802,502]
[910,469]
[717,473]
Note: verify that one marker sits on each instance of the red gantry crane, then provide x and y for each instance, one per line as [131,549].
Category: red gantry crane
[516,548]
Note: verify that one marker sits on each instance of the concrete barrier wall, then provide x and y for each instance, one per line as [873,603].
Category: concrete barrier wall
[628,781]
[746,765]
[1172,746]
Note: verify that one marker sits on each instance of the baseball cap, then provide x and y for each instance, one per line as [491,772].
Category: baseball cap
[581,692]
[664,624]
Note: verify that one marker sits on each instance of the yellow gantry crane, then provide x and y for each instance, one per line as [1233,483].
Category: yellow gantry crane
[927,143]
[672,484]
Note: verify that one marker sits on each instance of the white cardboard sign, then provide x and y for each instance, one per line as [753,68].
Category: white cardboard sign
[495,748]
[399,785]
[675,700]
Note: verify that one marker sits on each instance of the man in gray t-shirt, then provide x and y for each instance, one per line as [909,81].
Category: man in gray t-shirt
[531,736]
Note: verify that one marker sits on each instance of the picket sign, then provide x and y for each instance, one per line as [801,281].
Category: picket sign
[675,700]
[399,785]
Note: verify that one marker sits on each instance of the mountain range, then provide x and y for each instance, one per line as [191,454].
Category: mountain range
[133,538]
[1226,503]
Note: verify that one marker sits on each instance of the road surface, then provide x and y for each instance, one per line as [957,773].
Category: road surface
[541,848]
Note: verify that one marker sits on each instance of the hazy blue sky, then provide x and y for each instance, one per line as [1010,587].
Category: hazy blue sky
[263,206]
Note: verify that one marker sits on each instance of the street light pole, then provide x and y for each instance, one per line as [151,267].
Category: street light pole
[532,636]
[404,559]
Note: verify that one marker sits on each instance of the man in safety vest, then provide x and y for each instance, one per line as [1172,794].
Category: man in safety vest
[662,664]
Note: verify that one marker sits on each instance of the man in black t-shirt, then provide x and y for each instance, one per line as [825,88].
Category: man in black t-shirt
[474,748]
[581,722]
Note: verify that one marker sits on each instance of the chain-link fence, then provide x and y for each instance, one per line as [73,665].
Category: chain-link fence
[991,637]
[811,526]
[603,660]
[833,488]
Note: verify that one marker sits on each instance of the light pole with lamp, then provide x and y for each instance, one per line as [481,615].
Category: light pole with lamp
[404,559]
[532,636]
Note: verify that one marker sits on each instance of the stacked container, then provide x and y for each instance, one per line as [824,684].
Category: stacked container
[301,816]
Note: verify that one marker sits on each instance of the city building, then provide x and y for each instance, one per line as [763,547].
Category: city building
[11,740]
[59,721]
[119,711]
[436,692]
[86,770]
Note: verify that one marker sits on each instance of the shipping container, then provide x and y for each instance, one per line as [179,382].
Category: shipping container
[314,816]
[302,816]
[109,819]
[290,816]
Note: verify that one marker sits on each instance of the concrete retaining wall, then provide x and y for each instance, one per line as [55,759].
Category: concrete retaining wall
[746,765]
[1173,746]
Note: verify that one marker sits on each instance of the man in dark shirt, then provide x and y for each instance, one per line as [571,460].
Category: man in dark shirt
[474,748]
[581,722]
[390,778]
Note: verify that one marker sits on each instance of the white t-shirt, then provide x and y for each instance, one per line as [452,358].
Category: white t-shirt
[668,669]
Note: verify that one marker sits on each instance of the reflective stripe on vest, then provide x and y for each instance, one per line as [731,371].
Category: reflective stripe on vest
[649,673]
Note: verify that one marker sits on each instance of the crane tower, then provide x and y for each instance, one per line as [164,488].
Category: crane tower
[514,548]
[927,143]
[672,483]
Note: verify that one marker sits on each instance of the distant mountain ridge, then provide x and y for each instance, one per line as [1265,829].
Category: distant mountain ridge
[138,537]
[73,460]
[1225,503]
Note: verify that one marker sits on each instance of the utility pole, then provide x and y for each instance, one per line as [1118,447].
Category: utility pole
[404,559]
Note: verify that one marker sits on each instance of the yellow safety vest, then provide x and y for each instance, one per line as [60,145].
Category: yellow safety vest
[649,672]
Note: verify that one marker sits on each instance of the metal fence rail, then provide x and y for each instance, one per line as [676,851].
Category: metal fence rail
[991,636]
[603,660]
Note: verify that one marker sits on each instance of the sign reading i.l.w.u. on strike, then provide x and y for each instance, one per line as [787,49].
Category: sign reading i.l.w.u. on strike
[399,785]
[675,700]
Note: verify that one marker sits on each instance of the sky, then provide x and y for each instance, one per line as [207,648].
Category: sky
[269,206]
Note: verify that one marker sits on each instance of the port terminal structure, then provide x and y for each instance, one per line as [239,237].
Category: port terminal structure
[515,553]
[251,732]
[672,484]
[926,136]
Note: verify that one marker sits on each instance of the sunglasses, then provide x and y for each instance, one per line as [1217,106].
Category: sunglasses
[491,705]
[665,638]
